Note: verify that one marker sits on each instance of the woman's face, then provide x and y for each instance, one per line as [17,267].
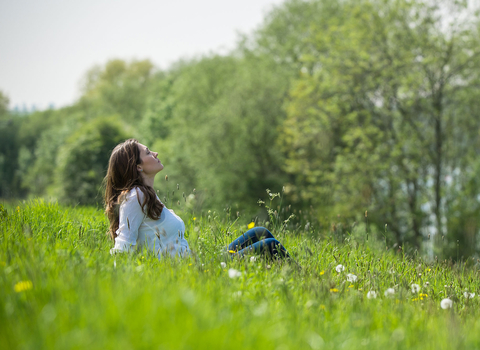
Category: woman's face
[150,165]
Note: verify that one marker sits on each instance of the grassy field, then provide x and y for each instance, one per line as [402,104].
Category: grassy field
[61,289]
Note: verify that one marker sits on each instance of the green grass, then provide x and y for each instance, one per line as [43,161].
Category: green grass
[82,297]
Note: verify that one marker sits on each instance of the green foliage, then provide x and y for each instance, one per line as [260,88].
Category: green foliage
[220,117]
[38,161]
[59,288]
[118,88]
[83,160]
[375,119]
[9,145]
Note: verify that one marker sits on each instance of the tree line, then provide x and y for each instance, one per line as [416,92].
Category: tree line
[348,107]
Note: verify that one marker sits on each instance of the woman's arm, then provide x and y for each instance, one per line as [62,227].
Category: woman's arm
[130,218]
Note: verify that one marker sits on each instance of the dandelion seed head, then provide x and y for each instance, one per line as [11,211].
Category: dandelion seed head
[351,277]
[446,303]
[232,273]
[223,265]
[340,268]
[389,292]
[371,294]
[253,259]
[415,288]
[468,295]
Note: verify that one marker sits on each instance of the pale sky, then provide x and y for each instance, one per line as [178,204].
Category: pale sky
[46,46]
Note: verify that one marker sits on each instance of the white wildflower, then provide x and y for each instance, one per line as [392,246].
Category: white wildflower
[232,273]
[253,259]
[371,295]
[340,268]
[223,265]
[446,303]
[415,288]
[389,291]
[351,277]
[468,295]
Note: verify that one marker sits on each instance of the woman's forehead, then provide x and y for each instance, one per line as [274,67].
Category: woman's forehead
[142,147]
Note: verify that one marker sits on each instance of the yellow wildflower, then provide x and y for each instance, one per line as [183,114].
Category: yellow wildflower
[194,218]
[334,290]
[23,286]
[322,272]
[350,286]
[251,225]
[18,208]
[232,251]
[322,307]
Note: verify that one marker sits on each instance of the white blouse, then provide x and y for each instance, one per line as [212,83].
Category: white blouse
[136,230]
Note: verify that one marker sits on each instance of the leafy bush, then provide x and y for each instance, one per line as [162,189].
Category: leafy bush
[83,160]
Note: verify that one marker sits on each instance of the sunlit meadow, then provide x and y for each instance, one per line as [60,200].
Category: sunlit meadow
[60,289]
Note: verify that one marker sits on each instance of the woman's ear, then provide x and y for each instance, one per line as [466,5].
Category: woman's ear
[139,168]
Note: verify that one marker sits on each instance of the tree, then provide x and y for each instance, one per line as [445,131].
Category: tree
[218,117]
[8,150]
[118,88]
[83,161]
[388,111]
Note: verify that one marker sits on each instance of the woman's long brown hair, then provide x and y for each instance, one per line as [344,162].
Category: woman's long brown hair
[122,176]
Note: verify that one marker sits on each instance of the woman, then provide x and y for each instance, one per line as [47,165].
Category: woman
[138,218]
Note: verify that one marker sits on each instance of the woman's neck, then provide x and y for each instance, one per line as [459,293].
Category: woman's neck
[148,181]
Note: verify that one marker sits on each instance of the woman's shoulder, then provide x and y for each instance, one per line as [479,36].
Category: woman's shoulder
[134,194]
[137,192]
